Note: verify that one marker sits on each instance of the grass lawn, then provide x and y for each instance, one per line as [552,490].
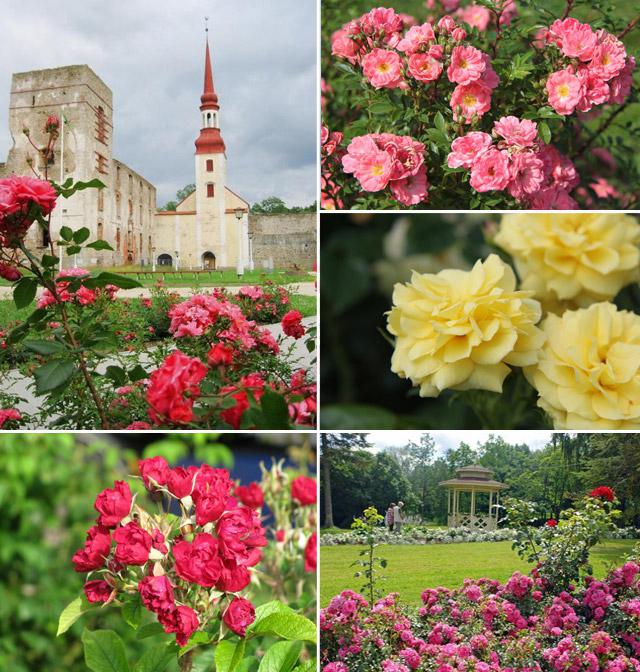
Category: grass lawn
[307,305]
[411,568]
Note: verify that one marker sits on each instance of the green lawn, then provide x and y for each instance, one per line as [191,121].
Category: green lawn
[307,305]
[411,568]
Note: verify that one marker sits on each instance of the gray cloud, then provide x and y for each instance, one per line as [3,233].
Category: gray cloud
[151,54]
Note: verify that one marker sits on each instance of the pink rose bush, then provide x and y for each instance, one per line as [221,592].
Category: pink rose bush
[464,68]
[195,573]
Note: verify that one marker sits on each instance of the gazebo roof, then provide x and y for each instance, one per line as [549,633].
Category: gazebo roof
[474,475]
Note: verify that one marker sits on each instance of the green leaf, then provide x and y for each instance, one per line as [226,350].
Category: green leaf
[149,630]
[50,261]
[274,411]
[53,375]
[44,347]
[66,234]
[155,659]
[437,136]
[197,639]
[132,612]
[117,374]
[107,278]
[24,292]
[137,373]
[280,657]
[229,654]
[81,235]
[74,249]
[275,618]
[307,666]
[544,131]
[439,122]
[381,107]
[104,651]
[99,245]
[204,662]
[71,613]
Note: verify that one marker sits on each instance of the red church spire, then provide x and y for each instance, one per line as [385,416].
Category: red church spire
[209,141]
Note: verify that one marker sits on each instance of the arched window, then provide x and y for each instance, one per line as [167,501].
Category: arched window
[209,261]
[165,260]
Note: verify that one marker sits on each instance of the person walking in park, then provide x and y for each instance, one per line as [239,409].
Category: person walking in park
[388,517]
[397,517]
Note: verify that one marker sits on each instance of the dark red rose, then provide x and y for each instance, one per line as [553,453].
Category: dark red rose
[233,578]
[240,535]
[603,492]
[158,542]
[239,615]
[250,495]
[551,522]
[113,504]
[181,620]
[133,544]
[52,123]
[211,494]
[156,593]
[199,561]
[280,535]
[292,325]
[10,273]
[180,481]
[95,550]
[97,591]
[311,554]
[303,490]
[220,355]
[154,471]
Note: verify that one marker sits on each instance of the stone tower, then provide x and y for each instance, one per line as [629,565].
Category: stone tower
[211,175]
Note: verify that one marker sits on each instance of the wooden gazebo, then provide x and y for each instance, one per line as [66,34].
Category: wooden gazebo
[473,498]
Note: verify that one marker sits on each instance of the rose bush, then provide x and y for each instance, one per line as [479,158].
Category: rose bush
[492,104]
[192,571]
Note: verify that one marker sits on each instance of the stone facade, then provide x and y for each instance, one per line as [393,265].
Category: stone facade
[211,228]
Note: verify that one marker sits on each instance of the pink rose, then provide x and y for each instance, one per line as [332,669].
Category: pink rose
[156,593]
[198,561]
[383,68]
[97,591]
[303,490]
[476,16]
[490,172]
[526,174]
[520,133]
[113,504]
[411,190]
[8,415]
[370,165]
[466,149]
[239,615]
[564,90]
[467,65]
[133,544]
[154,472]
[415,38]
[10,273]
[424,67]
[579,42]
[473,100]
[446,24]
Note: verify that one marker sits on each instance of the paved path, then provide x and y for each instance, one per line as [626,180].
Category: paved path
[306,288]
[14,382]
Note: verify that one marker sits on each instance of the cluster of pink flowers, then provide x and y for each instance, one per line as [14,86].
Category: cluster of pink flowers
[265,304]
[597,69]
[516,160]
[487,626]
[185,575]
[21,199]
[9,415]
[379,160]
[82,296]
[331,160]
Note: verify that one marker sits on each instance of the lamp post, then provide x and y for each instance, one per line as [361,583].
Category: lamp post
[239,213]
[250,236]
[153,261]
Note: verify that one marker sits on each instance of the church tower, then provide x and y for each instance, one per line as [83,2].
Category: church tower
[211,173]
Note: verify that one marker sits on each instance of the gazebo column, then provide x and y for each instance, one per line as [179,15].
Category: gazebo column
[491,525]
[473,507]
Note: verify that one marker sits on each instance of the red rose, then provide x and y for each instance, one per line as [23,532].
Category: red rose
[233,577]
[113,504]
[250,495]
[133,544]
[551,522]
[154,471]
[10,273]
[311,554]
[239,615]
[157,542]
[173,387]
[180,481]
[211,494]
[303,490]
[52,123]
[181,620]
[97,591]
[280,535]
[603,492]
[240,534]
[156,593]
[198,561]
[233,416]
[95,550]
[291,324]
[220,355]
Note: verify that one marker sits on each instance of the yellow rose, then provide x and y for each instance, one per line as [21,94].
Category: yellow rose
[588,373]
[572,260]
[460,329]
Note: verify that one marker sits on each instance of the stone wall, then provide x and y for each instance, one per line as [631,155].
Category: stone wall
[286,241]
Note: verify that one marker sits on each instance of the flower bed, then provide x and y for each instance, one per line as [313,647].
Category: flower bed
[453,535]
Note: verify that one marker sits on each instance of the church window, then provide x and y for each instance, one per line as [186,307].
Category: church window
[117,176]
[100,231]
[101,163]
[101,126]
[210,190]
[208,118]
[130,208]
[209,165]
[130,183]
[118,239]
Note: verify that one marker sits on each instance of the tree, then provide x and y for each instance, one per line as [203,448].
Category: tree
[331,447]
[181,194]
[273,205]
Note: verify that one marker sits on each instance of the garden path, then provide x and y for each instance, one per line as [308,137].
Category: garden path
[14,382]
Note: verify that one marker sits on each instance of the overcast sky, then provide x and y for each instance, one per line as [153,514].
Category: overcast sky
[151,55]
[446,440]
